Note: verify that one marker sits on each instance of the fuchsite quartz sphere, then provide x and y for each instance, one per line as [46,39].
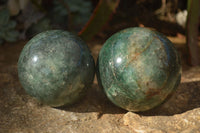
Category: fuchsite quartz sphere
[138,69]
[56,68]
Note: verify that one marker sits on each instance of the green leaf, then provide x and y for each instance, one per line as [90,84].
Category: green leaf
[11,25]
[4,16]
[99,18]
[59,9]
[80,11]
[11,36]
[7,27]
[42,25]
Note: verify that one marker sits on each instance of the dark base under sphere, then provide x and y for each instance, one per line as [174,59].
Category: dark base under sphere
[56,67]
[138,69]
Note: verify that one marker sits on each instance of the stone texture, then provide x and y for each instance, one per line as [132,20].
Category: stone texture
[187,122]
[138,68]
[56,67]
[20,113]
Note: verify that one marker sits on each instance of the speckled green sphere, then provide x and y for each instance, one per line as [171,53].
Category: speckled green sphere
[56,68]
[138,69]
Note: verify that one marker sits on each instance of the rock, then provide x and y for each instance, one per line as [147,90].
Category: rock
[56,68]
[186,122]
[138,68]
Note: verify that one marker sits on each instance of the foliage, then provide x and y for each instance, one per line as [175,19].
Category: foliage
[99,18]
[34,17]
[7,27]
[42,25]
[75,12]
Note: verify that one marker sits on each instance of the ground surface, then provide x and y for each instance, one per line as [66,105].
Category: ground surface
[19,113]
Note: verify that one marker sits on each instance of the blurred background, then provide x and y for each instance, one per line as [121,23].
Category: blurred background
[96,20]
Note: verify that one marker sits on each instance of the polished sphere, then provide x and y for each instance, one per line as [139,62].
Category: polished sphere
[138,69]
[56,68]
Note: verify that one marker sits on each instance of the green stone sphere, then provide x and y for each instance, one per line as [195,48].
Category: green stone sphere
[56,68]
[138,69]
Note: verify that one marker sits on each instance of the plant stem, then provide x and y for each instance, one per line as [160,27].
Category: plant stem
[192,32]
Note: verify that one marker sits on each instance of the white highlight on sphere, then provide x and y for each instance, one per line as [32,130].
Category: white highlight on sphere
[119,60]
[35,58]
